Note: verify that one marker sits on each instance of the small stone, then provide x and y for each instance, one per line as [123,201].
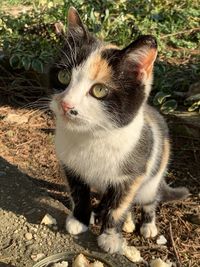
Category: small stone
[15,118]
[49,243]
[37,257]
[131,252]
[61,264]
[80,261]
[96,264]
[28,236]
[161,240]
[55,227]
[29,242]
[160,263]
[48,220]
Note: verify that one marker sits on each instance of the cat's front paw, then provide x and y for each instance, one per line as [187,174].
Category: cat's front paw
[110,241]
[74,227]
[129,225]
[148,230]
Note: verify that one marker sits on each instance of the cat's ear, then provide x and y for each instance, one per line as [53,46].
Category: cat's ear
[140,55]
[75,24]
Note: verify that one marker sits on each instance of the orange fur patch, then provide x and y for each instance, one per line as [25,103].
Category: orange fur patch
[147,62]
[165,156]
[119,212]
[100,70]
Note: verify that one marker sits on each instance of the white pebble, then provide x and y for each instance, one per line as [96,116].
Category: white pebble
[48,220]
[132,253]
[160,263]
[28,236]
[61,264]
[37,257]
[161,240]
[80,261]
[96,264]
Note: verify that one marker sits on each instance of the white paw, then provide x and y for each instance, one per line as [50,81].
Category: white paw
[129,225]
[149,230]
[110,241]
[74,227]
[92,218]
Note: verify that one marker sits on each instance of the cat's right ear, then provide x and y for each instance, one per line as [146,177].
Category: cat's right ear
[75,24]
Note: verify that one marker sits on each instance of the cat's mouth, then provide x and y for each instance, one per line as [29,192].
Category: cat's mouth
[68,117]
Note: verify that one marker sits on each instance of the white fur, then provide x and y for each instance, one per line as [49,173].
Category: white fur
[92,218]
[110,241]
[148,190]
[149,230]
[97,158]
[129,225]
[90,111]
[74,227]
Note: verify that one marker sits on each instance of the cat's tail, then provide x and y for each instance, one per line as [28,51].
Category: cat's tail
[170,194]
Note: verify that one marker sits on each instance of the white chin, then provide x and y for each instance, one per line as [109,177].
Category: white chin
[76,125]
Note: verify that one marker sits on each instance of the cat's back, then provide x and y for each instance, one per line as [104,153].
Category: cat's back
[156,120]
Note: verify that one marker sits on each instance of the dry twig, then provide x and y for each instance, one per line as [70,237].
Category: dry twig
[181,32]
[174,246]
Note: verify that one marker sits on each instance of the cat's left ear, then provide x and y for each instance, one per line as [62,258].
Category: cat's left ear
[140,55]
[75,24]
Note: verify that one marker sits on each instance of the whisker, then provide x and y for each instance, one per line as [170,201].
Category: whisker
[72,53]
[75,47]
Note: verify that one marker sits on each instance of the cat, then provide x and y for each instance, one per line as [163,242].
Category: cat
[107,136]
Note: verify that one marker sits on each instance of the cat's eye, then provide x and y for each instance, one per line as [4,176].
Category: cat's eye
[64,77]
[99,91]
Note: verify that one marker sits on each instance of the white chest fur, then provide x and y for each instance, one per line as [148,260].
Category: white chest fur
[97,159]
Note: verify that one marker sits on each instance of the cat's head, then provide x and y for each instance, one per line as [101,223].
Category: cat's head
[100,86]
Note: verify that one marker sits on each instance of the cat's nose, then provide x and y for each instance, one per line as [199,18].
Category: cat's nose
[66,106]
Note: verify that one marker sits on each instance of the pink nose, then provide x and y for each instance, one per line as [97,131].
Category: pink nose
[66,106]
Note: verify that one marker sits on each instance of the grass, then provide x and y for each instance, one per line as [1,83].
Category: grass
[30,42]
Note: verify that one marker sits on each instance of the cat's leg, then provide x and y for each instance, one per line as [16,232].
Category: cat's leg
[112,211]
[129,224]
[148,228]
[110,239]
[78,221]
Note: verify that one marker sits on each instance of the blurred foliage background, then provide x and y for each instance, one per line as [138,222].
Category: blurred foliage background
[29,43]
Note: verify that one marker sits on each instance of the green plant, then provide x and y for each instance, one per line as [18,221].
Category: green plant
[193,102]
[30,42]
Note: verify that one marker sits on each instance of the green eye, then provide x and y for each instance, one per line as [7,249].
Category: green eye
[99,91]
[64,77]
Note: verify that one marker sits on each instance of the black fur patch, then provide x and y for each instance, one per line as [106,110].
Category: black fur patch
[125,100]
[76,49]
[80,193]
[111,200]
[148,216]
[136,162]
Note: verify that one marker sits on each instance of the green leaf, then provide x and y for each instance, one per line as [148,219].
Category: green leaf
[193,98]
[37,65]
[26,62]
[106,14]
[160,97]
[14,61]
[169,106]
[194,106]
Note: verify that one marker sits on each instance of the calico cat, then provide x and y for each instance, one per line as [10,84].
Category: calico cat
[107,136]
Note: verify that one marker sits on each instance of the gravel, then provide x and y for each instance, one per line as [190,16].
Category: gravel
[23,239]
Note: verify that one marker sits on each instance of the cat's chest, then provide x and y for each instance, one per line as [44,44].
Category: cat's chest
[96,160]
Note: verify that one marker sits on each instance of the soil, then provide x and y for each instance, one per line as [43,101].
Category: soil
[32,185]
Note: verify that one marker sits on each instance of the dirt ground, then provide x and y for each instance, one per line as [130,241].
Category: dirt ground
[26,142]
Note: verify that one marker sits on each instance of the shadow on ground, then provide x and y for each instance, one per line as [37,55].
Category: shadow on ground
[21,196]
[6,265]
